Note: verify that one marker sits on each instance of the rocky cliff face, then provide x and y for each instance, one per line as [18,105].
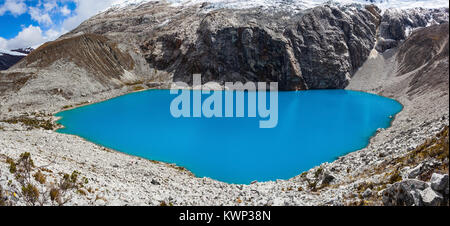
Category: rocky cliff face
[397,25]
[315,49]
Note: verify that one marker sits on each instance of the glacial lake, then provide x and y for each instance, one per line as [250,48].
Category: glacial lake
[313,127]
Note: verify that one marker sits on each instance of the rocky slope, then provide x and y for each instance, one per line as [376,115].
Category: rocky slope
[154,44]
[297,50]
[416,74]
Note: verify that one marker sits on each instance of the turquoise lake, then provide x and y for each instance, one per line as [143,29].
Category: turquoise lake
[313,127]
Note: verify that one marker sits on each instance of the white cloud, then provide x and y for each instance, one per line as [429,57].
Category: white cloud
[41,16]
[49,6]
[3,43]
[84,10]
[31,36]
[15,7]
[65,11]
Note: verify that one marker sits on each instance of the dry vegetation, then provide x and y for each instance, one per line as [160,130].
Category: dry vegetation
[434,148]
[30,184]
[32,122]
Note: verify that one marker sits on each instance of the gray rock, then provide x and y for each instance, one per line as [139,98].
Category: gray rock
[325,178]
[100,202]
[154,182]
[439,182]
[415,194]
[416,171]
[405,193]
[367,193]
[395,24]
[385,44]
[431,197]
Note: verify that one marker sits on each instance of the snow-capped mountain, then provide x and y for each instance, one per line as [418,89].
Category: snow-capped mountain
[12,52]
[11,57]
[291,4]
[24,51]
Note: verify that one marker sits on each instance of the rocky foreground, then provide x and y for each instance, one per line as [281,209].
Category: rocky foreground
[398,54]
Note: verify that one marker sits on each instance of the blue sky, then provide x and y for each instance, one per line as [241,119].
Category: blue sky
[12,23]
[29,23]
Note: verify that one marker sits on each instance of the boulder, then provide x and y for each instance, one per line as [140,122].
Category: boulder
[431,198]
[385,44]
[404,193]
[439,182]
[416,171]
[367,193]
[325,178]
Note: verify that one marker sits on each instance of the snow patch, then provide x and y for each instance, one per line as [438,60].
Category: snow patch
[12,53]
[289,4]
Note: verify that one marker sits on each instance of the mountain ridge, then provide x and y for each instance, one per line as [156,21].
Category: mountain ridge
[319,48]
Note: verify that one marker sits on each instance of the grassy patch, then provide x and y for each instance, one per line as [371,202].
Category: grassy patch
[67,106]
[32,123]
[138,88]
[134,83]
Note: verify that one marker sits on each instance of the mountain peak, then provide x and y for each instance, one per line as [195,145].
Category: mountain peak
[287,4]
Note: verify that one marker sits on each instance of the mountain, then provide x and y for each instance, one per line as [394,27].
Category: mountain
[156,43]
[300,51]
[291,5]
[9,58]
[25,51]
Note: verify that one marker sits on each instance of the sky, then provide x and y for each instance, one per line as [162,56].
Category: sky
[29,23]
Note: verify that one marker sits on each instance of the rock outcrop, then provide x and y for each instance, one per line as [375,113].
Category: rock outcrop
[316,49]
[404,193]
[396,25]
[412,192]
